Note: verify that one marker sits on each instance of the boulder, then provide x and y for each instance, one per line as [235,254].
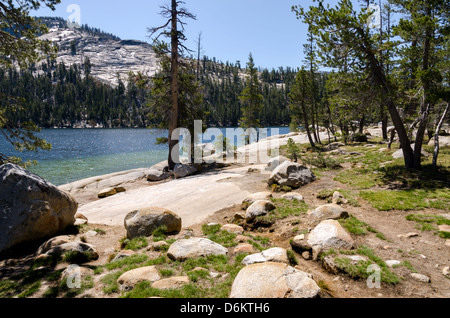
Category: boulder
[123,254]
[273,280]
[275,162]
[183,170]
[300,244]
[291,196]
[53,242]
[329,234]
[243,248]
[128,280]
[31,208]
[399,153]
[334,146]
[144,221]
[75,252]
[276,254]
[174,282]
[74,272]
[443,141]
[252,198]
[326,212]
[194,248]
[338,198]
[154,175]
[291,174]
[259,208]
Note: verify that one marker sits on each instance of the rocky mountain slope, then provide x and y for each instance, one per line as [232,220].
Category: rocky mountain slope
[110,57]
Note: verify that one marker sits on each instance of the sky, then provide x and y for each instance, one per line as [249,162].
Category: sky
[231,29]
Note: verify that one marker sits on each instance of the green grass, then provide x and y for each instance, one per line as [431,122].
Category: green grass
[407,265]
[349,195]
[283,209]
[428,222]
[406,200]
[357,227]
[134,244]
[222,237]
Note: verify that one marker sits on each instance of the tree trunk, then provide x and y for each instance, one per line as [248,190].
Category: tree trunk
[173,120]
[308,131]
[436,137]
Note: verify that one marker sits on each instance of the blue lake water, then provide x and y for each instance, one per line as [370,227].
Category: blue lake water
[82,153]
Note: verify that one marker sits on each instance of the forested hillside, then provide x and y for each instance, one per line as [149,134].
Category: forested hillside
[56,93]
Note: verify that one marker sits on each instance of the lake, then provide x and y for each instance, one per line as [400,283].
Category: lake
[82,153]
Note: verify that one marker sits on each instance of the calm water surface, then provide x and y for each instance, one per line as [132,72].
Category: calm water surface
[82,153]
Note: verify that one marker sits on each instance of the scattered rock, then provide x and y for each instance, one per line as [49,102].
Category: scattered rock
[108,192]
[75,252]
[334,146]
[128,280]
[252,198]
[241,238]
[276,254]
[143,222]
[275,162]
[306,255]
[31,207]
[407,235]
[78,272]
[53,242]
[338,198]
[444,228]
[80,222]
[292,196]
[258,208]
[174,282]
[183,170]
[393,262]
[420,277]
[329,234]
[446,271]
[233,228]
[326,212]
[273,280]
[123,254]
[329,265]
[195,247]
[299,244]
[291,174]
[91,233]
[154,175]
[243,248]
[157,246]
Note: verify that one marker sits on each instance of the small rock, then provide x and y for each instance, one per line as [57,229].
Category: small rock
[233,228]
[154,175]
[194,248]
[338,198]
[129,279]
[183,170]
[306,255]
[291,196]
[447,242]
[391,263]
[334,146]
[420,277]
[243,248]
[276,254]
[171,282]
[444,228]
[241,238]
[106,193]
[157,246]
[299,244]
[79,252]
[446,271]
[80,222]
[123,254]
[77,272]
[252,198]
[91,233]
[329,265]
[326,212]
[80,216]
[407,235]
[291,174]
[258,208]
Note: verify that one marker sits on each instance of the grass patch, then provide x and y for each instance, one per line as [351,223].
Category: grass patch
[428,222]
[357,227]
[222,237]
[407,265]
[350,196]
[134,244]
[412,199]
[283,209]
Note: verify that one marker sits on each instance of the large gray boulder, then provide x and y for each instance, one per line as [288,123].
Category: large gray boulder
[291,174]
[273,280]
[144,222]
[31,208]
[195,247]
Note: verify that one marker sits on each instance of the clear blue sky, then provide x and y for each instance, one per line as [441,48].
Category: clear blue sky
[231,29]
